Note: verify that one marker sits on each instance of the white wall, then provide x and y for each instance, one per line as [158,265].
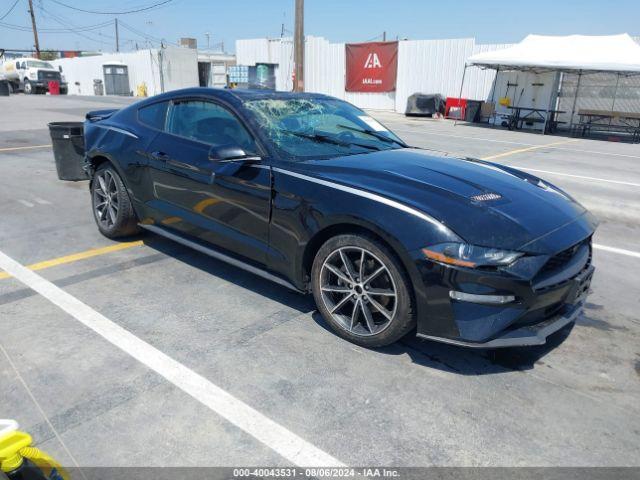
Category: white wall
[179,68]
[528,92]
[428,66]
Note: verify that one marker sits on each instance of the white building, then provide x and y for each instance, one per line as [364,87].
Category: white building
[424,66]
[427,66]
[160,70]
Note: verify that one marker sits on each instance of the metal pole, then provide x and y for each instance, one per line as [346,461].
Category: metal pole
[554,88]
[384,36]
[464,73]
[117,37]
[298,47]
[161,68]
[35,29]
[615,92]
[575,99]
[493,97]
[495,85]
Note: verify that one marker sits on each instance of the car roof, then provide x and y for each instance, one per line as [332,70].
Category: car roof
[236,95]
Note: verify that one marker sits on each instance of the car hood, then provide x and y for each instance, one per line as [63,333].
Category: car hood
[482,202]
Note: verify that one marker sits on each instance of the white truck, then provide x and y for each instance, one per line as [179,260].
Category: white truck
[31,75]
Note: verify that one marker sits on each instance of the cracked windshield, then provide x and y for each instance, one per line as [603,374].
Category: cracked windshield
[316,127]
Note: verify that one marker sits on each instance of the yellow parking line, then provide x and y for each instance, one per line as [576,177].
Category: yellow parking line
[528,149]
[29,147]
[94,252]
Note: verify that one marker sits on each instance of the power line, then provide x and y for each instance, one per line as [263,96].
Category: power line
[141,9]
[381,36]
[72,28]
[24,28]
[10,10]
[145,35]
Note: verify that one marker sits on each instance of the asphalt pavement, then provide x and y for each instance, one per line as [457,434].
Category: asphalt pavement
[257,377]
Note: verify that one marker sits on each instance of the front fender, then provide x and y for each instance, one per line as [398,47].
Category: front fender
[303,211]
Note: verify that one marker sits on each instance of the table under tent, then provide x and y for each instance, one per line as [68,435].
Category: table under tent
[582,84]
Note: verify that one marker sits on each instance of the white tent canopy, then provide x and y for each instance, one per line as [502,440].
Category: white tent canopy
[610,53]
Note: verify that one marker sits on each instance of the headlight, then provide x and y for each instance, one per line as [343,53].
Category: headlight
[470,256]
[32,75]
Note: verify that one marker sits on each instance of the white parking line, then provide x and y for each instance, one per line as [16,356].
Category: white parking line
[493,140]
[595,179]
[286,443]
[42,201]
[619,251]
[463,136]
[26,203]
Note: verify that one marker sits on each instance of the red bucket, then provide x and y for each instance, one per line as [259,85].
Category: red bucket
[54,87]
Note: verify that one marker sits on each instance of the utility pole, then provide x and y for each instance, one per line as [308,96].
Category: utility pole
[35,29]
[117,37]
[384,36]
[298,47]
[207,35]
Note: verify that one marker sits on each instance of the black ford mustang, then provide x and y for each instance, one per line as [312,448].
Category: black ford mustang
[311,192]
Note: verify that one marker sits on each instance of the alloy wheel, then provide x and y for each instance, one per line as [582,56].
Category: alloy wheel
[358,291]
[105,198]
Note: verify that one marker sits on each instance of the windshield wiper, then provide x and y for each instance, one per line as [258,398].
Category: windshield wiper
[375,134]
[317,137]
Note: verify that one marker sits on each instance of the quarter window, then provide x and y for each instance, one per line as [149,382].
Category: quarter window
[209,123]
[154,115]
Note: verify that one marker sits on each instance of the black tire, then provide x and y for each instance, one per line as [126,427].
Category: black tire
[29,89]
[403,319]
[117,218]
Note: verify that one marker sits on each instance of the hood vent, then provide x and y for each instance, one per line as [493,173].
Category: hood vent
[486,197]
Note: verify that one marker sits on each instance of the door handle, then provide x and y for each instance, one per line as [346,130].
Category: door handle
[161,156]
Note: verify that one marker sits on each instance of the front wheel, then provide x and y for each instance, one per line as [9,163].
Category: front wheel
[362,291]
[29,89]
[112,209]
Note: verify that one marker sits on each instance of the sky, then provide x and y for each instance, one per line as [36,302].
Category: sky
[487,21]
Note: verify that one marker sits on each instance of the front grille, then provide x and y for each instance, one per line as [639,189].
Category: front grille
[559,260]
[48,75]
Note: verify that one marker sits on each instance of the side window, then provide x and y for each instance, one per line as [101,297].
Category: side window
[209,123]
[154,115]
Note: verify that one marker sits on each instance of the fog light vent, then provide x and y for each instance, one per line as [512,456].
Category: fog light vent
[473,298]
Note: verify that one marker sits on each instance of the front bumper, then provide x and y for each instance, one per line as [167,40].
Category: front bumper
[45,84]
[535,334]
[543,303]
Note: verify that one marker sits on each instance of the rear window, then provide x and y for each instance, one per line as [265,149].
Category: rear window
[154,115]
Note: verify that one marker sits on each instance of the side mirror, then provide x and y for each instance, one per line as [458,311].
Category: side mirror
[60,68]
[231,153]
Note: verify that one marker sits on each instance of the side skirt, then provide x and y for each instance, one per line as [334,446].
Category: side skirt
[221,256]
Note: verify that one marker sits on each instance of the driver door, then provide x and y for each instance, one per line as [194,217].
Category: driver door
[226,204]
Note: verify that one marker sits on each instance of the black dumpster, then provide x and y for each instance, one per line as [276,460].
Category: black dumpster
[4,88]
[68,149]
[472,113]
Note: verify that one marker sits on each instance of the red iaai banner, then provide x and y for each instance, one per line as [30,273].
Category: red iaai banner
[371,67]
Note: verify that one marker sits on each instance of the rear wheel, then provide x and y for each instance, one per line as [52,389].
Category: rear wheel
[361,290]
[112,209]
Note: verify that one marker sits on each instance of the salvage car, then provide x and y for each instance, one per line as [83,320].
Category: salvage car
[311,192]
